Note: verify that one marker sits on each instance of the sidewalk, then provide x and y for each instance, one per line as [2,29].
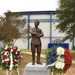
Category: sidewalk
[42,55]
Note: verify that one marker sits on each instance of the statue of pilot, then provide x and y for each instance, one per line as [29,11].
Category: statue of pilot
[36,33]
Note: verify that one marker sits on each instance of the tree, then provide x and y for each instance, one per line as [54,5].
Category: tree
[66,16]
[10,26]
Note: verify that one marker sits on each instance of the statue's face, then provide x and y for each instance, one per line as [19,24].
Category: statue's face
[36,23]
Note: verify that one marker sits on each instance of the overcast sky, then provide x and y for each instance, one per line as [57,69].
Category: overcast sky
[27,5]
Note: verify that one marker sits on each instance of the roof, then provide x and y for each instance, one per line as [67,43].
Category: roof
[36,12]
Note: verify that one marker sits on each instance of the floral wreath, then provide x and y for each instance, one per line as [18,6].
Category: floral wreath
[58,59]
[10,57]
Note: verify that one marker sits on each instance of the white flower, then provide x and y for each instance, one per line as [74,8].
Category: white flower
[16,52]
[16,65]
[11,50]
[7,59]
[59,65]
[60,51]
[2,61]
[15,60]
[2,52]
[18,49]
[6,53]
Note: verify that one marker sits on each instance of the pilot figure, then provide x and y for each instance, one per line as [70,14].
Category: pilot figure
[36,33]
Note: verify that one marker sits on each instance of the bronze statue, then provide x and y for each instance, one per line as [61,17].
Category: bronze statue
[36,42]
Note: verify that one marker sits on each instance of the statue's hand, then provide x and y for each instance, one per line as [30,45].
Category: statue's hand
[37,34]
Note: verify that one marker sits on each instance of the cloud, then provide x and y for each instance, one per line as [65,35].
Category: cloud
[27,5]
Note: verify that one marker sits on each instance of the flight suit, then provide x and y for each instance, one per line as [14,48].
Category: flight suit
[36,43]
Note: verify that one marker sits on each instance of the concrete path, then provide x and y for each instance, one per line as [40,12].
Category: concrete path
[42,55]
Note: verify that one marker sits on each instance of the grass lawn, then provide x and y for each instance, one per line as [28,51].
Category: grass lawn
[26,59]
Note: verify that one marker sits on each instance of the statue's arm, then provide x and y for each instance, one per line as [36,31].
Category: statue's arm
[32,32]
[41,34]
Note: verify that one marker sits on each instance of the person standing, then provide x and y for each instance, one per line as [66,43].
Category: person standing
[36,33]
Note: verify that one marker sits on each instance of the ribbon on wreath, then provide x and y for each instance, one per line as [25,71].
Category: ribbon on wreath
[59,59]
[11,61]
[11,65]
[11,58]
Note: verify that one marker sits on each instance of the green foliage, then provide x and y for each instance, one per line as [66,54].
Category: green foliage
[66,16]
[10,26]
[10,44]
[47,52]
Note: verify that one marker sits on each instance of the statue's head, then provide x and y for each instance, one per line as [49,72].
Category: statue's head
[36,23]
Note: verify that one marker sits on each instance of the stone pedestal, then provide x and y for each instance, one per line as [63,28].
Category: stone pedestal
[36,69]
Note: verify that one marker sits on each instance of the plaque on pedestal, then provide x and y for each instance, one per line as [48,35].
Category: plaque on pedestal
[36,69]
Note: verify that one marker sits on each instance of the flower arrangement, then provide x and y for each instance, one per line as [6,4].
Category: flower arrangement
[10,57]
[58,60]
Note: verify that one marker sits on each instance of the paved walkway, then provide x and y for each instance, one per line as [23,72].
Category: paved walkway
[42,55]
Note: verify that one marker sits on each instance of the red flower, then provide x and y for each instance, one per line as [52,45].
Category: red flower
[9,49]
[68,61]
[5,62]
[18,52]
[19,56]
[67,54]
[19,60]
[14,62]
[15,50]
[8,62]
[4,57]
[67,67]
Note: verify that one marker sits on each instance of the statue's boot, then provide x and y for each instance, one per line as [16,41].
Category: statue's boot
[38,59]
[33,58]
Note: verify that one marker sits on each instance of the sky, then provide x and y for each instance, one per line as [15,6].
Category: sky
[27,5]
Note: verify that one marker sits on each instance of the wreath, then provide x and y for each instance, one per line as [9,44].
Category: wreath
[10,57]
[58,59]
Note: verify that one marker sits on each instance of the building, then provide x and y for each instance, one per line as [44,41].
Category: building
[48,22]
